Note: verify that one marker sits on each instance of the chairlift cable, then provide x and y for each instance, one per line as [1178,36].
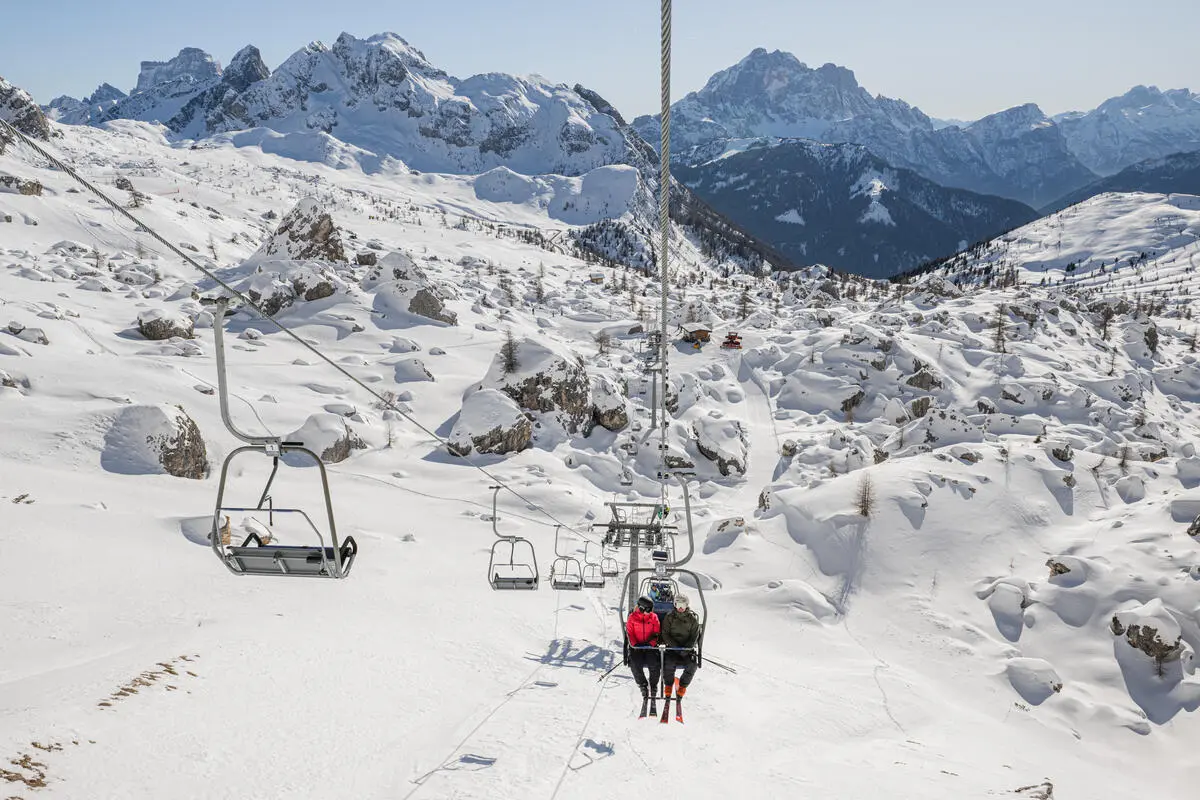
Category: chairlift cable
[247,302]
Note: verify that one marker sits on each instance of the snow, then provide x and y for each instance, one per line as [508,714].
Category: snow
[916,647]
[791,216]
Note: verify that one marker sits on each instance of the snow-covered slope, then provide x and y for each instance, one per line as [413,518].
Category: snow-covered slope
[925,646]
[1175,174]
[1144,123]
[842,206]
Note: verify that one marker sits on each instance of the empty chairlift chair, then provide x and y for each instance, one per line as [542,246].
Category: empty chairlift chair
[516,568]
[593,574]
[253,556]
[566,573]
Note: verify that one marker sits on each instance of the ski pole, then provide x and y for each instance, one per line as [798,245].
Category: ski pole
[610,672]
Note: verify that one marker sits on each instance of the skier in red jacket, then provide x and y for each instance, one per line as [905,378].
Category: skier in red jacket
[642,631]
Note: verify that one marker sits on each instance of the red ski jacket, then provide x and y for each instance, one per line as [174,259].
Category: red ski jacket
[642,629]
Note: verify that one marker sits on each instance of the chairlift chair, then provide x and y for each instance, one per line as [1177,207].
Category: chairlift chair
[566,573]
[252,556]
[593,574]
[511,573]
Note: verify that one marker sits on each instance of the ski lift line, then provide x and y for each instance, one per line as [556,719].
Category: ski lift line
[6,126]
[664,210]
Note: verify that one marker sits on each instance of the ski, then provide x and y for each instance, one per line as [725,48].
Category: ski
[645,703]
[653,707]
[679,709]
[666,711]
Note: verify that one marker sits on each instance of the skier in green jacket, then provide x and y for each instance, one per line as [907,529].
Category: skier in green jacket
[680,629]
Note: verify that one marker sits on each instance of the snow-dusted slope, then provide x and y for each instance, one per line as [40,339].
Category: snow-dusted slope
[926,647]
[1143,123]
[842,206]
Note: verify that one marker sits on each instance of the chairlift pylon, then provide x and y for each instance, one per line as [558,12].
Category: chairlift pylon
[253,556]
[511,573]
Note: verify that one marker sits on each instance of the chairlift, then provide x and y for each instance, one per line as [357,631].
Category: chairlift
[566,573]
[593,574]
[609,567]
[511,573]
[253,556]
[626,478]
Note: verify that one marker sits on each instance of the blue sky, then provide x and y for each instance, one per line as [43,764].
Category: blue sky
[953,58]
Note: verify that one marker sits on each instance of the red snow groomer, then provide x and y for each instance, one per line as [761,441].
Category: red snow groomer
[732,341]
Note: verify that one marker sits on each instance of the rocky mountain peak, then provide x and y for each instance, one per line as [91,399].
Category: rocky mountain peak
[192,65]
[105,93]
[246,68]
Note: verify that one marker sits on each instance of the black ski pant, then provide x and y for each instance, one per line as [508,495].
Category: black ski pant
[639,662]
[676,659]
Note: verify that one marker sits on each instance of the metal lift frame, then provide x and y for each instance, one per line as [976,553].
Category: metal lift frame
[566,573]
[665,569]
[252,557]
[593,572]
[511,582]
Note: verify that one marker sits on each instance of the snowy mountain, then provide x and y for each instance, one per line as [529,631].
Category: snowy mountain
[1175,174]
[384,100]
[1144,123]
[775,95]
[70,111]
[947,536]
[842,206]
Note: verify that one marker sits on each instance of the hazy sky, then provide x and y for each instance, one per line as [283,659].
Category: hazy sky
[952,58]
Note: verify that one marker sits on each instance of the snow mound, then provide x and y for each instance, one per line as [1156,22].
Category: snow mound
[153,440]
[490,422]
[1034,679]
[327,435]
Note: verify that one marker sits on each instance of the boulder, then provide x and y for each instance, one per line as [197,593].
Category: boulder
[154,439]
[329,436]
[490,422]
[548,379]
[306,233]
[19,110]
[724,442]
[13,184]
[924,379]
[608,410]
[402,288]
[157,324]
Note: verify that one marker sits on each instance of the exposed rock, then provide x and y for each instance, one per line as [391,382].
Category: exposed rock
[1057,567]
[985,406]
[852,402]
[924,379]
[546,380]
[490,422]
[919,407]
[18,109]
[425,303]
[402,288]
[11,183]
[328,435]
[608,410]
[1061,451]
[306,233]
[789,448]
[1194,528]
[1147,639]
[155,439]
[722,441]
[366,259]
[675,461]
[157,324]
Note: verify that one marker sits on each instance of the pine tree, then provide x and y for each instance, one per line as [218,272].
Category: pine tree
[603,341]
[508,353]
[1001,325]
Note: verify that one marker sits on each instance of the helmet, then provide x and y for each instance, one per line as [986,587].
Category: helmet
[681,601]
[645,604]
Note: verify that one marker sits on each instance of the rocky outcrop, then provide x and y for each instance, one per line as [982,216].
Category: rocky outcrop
[11,183]
[306,233]
[608,410]
[723,442]
[329,436]
[279,284]
[402,289]
[924,379]
[490,422]
[157,324]
[547,380]
[18,109]
[154,439]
